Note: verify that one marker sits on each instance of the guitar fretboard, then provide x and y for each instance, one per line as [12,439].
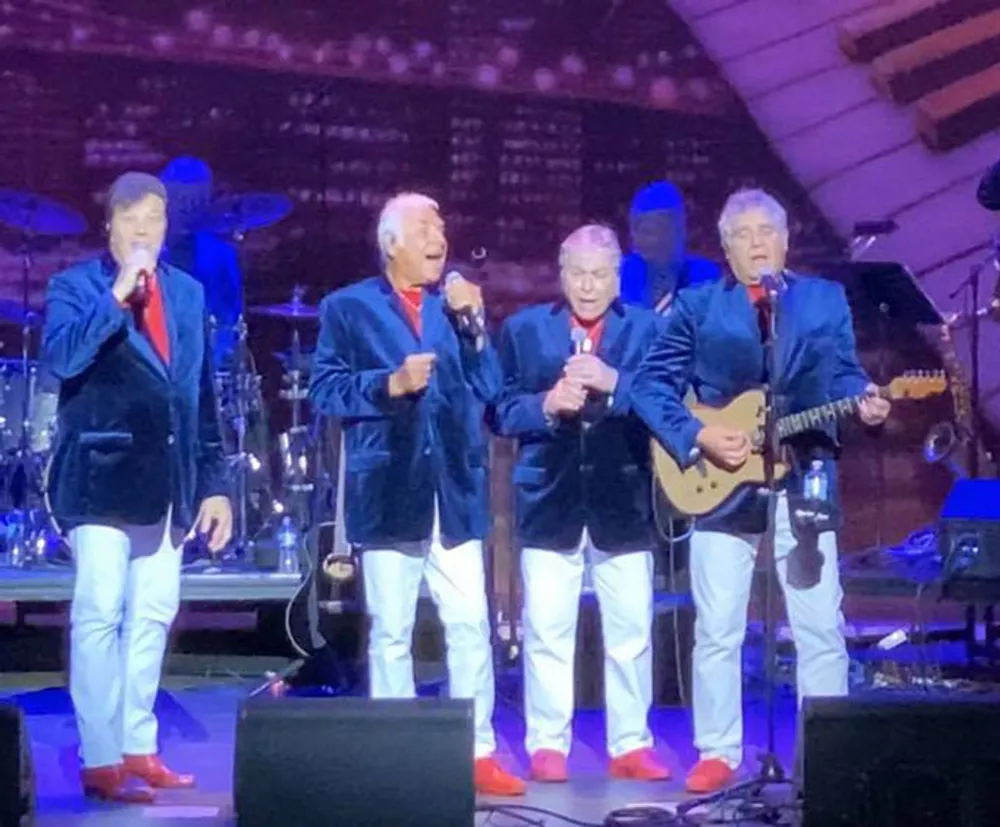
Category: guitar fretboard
[798,423]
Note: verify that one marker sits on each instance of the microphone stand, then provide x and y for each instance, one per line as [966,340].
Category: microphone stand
[770,771]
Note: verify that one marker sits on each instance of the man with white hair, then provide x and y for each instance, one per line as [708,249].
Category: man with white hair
[405,364]
[715,345]
[582,479]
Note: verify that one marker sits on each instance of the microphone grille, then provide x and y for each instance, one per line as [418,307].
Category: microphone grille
[451,277]
[578,334]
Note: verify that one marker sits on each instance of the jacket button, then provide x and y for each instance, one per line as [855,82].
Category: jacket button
[427,452]
[170,440]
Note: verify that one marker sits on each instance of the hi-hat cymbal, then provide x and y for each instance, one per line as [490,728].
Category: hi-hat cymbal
[289,310]
[240,213]
[34,215]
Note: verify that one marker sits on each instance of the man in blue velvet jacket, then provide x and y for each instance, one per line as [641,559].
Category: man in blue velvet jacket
[138,451]
[407,368]
[582,483]
[713,346]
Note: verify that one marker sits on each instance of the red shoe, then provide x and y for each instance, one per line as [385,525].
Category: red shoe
[548,765]
[155,773]
[110,784]
[639,765]
[709,776]
[492,779]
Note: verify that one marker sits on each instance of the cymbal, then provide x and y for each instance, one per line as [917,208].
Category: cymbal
[13,312]
[35,215]
[250,211]
[289,310]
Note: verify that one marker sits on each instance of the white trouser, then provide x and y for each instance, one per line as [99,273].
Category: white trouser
[125,598]
[722,567]
[457,584]
[624,586]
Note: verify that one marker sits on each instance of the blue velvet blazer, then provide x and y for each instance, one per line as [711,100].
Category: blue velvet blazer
[402,453]
[568,476]
[134,434]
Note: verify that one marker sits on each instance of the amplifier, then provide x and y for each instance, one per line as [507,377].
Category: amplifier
[969,531]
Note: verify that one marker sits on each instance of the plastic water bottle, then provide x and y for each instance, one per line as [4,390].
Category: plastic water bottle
[815,487]
[288,547]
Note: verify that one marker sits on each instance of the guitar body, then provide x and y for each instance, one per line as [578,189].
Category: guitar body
[327,596]
[703,487]
[325,620]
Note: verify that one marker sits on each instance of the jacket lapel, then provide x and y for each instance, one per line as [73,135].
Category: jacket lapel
[140,341]
[432,318]
[396,311]
[789,347]
[614,322]
[171,307]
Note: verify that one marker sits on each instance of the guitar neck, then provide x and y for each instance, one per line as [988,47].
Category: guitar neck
[803,421]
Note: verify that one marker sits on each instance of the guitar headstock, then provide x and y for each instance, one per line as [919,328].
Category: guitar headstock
[917,384]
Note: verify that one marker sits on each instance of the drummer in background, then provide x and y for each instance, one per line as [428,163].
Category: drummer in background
[203,254]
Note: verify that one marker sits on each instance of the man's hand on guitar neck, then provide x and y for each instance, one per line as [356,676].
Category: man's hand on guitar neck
[726,447]
[874,410]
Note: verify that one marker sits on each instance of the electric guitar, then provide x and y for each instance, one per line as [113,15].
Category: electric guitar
[704,486]
[331,587]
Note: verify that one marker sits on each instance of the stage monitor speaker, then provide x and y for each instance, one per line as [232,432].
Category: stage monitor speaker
[969,531]
[314,762]
[17,784]
[885,759]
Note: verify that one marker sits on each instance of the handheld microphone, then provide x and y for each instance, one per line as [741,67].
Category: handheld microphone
[581,341]
[774,283]
[473,321]
[140,294]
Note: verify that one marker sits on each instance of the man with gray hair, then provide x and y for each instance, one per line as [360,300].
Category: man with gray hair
[405,364]
[715,345]
[582,499]
[138,464]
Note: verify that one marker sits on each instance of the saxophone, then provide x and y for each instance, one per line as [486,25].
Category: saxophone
[948,442]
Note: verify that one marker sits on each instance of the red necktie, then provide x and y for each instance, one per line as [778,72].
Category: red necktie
[154,318]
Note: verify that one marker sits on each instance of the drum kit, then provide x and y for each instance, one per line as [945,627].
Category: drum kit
[264,505]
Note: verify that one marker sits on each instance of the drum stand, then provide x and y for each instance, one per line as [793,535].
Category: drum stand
[28,523]
[242,378]
[294,443]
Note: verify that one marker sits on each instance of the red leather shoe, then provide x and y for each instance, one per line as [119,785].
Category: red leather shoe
[709,776]
[155,773]
[492,779]
[638,765]
[549,766]
[110,784]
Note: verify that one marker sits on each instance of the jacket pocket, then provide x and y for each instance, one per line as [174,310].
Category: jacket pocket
[106,440]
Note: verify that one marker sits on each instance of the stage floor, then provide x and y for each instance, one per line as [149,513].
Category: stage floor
[197,726]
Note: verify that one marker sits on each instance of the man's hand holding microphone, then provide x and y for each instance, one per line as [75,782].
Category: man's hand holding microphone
[130,283]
